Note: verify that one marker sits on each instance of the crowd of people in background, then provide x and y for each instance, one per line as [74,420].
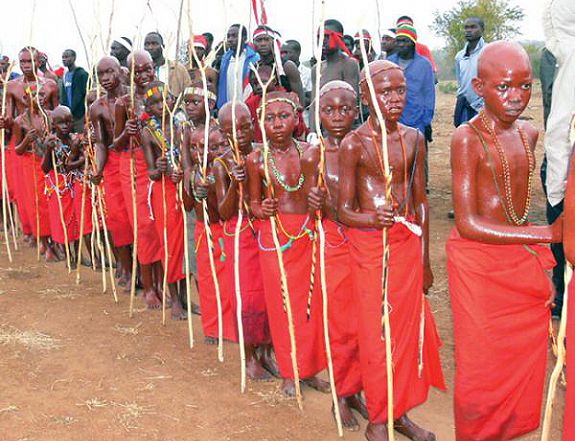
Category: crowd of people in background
[147,149]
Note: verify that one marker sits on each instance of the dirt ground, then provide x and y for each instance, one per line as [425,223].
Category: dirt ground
[74,366]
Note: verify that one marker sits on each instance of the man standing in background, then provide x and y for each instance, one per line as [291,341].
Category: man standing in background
[468,103]
[73,88]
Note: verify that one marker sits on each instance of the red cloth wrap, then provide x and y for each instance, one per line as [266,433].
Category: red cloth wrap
[208,302]
[175,228]
[149,246]
[405,287]
[501,327]
[11,159]
[31,166]
[310,352]
[77,200]
[336,40]
[117,208]
[569,418]
[254,315]
[23,187]
[56,230]
[343,310]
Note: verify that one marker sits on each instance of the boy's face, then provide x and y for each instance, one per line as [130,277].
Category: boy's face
[194,107]
[244,127]
[338,110]
[279,122]
[390,91]
[506,89]
[155,105]
[63,124]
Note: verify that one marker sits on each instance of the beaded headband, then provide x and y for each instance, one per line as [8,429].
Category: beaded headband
[325,90]
[200,92]
[278,100]
[154,90]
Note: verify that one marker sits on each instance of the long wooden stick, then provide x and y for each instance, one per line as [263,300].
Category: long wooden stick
[277,246]
[209,236]
[131,110]
[561,352]
[164,207]
[320,229]
[385,244]
[5,196]
[61,212]
[238,229]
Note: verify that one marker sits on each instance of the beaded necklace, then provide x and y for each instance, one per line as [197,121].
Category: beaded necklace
[509,206]
[281,178]
[156,131]
[404,204]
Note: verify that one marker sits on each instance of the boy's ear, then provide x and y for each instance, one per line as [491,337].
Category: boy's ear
[478,85]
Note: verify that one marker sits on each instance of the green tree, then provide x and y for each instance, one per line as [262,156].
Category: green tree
[501,21]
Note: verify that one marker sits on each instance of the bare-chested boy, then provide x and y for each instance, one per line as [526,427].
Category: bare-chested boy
[229,176]
[30,129]
[162,158]
[16,103]
[500,292]
[284,197]
[198,189]
[127,140]
[102,114]
[338,110]
[362,206]
[59,185]
[337,64]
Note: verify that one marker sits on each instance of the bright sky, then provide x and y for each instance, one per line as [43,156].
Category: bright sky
[51,26]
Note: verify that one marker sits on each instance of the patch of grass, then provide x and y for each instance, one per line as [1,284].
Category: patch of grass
[448,87]
[31,340]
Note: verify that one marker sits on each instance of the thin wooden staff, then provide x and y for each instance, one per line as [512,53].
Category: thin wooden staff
[561,350]
[13,225]
[277,246]
[209,236]
[238,229]
[558,369]
[164,206]
[385,244]
[61,212]
[4,181]
[83,202]
[131,111]
[319,225]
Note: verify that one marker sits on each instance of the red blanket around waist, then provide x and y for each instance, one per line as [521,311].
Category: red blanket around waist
[66,213]
[500,324]
[117,208]
[207,292]
[405,288]
[254,316]
[174,225]
[33,184]
[149,247]
[297,262]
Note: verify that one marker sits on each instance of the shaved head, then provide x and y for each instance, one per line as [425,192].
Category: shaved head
[107,61]
[225,113]
[502,56]
[141,57]
[61,112]
[376,67]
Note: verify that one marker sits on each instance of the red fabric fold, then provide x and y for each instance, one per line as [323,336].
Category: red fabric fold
[310,351]
[405,287]
[77,200]
[30,168]
[501,328]
[254,315]
[175,228]
[22,175]
[208,301]
[117,208]
[343,310]
[569,418]
[149,246]
[56,229]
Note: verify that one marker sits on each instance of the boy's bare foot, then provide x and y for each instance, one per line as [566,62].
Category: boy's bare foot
[415,433]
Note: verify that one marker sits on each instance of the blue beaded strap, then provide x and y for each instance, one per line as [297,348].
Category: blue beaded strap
[290,241]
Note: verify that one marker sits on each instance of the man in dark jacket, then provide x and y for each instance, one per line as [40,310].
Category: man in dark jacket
[73,88]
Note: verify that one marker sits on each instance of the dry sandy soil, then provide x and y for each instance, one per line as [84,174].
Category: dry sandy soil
[73,366]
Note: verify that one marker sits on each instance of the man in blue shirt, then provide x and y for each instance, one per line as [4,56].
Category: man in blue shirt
[247,57]
[420,103]
[468,103]
[73,89]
